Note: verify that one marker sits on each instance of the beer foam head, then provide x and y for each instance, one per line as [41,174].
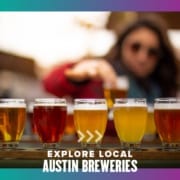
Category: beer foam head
[90,104]
[50,102]
[12,103]
[167,103]
[90,107]
[130,103]
[122,82]
[150,108]
[167,106]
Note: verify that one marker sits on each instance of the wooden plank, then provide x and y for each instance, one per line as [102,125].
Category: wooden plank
[148,154]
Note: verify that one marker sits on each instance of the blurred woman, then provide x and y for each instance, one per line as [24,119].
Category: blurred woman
[143,53]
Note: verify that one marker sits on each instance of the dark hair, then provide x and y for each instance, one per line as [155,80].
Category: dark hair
[166,71]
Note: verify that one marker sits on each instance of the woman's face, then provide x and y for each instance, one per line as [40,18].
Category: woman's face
[140,52]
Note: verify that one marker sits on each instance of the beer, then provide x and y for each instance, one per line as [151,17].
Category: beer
[50,119]
[90,117]
[119,90]
[30,117]
[70,128]
[111,93]
[167,120]
[130,120]
[150,126]
[12,120]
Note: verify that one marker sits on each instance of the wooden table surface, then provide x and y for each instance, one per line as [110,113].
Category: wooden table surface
[30,154]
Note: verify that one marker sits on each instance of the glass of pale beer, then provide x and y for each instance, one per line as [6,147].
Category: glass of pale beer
[130,116]
[167,120]
[49,117]
[118,90]
[150,132]
[12,122]
[90,117]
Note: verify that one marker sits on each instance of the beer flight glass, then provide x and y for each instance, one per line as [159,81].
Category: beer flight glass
[118,90]
[49,119]
[130,116]
[12,122]
[70,132]
[150,133]
[90,118]
[167,120]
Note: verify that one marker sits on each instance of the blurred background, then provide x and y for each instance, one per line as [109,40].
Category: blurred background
[32,43]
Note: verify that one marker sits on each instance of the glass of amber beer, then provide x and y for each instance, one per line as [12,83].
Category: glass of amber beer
[12,122]
[90,117]
[49,119]
[70,131]
[167,120]
[130,116]
[118,90]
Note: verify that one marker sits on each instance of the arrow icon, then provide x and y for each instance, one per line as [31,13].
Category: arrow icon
[82,136]
[90,136]
[99,136]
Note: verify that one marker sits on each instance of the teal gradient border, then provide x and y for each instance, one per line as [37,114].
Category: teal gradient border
[88,5]
[141,174]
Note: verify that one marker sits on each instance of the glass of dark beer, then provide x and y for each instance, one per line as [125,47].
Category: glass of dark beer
[167,120]
[49,117]
[12,122]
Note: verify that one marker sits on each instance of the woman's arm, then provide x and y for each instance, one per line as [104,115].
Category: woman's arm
[74,79]
[57,83]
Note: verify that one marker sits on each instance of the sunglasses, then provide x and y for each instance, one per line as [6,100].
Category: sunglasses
[151,51]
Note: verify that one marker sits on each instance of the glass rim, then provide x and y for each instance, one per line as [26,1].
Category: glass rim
[12,103]
[130,100]
[12,100]
[122,83]
[167,103]
[90,104]
[50,101]
[167,100]
[90,100]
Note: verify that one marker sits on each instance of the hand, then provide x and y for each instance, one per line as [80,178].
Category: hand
[91,69]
